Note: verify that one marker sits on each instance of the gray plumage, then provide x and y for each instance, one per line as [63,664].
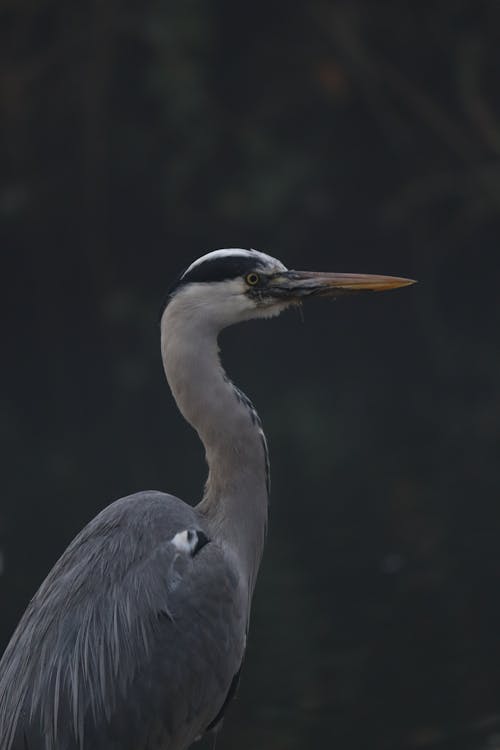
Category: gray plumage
[135,640]
[122,623]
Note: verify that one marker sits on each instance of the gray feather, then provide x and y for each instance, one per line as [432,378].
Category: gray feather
[107,669]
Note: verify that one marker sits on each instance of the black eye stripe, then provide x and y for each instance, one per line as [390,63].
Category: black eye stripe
[220,269]
[215,269]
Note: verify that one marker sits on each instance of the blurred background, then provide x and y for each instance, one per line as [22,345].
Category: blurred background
[346,136]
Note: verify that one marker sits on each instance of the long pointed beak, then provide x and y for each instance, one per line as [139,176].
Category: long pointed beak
[298,284]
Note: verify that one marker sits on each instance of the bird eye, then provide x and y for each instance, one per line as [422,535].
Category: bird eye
[252,279]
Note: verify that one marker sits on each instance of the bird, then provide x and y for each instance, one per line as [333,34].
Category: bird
[136,638]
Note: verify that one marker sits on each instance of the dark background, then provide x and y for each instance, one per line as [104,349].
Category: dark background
[347,136]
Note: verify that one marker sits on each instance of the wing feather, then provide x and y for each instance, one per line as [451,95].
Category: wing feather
[129,642]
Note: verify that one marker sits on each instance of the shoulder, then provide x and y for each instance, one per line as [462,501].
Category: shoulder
[143,520]
[143,508]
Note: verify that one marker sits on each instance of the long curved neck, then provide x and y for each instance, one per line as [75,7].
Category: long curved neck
[236,493]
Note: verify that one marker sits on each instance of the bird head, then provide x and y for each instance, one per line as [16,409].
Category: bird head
[231,285]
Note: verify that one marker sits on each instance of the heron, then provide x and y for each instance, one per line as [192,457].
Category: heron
[136,638]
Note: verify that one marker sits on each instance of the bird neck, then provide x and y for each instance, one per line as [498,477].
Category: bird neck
[236,492]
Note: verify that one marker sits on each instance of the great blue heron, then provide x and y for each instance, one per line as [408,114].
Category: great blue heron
[135,639]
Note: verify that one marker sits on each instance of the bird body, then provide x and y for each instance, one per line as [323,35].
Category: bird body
[138,638]
[135,639]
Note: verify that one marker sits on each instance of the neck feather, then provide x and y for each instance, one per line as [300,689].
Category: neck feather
[236,493]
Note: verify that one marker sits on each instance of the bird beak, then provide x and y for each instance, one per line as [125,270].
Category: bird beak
[299,284]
